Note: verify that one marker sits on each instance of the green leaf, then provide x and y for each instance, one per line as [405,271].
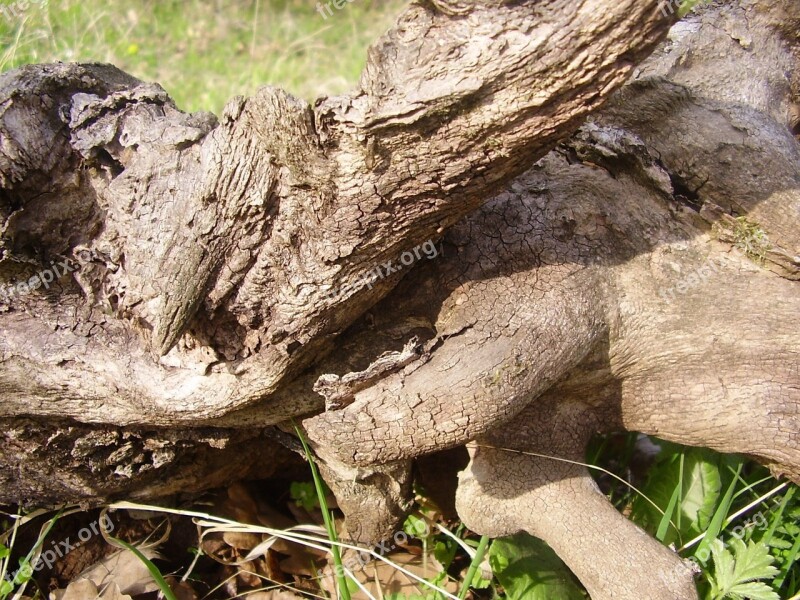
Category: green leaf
[304,494]
[715,527]
[755,590]
[666,519]
[478,582]
[24,573]
[780,544]
[528,569]
[736,572]
[753,561]
[686,485]
[445,551]
[4,552]
[777,518]
[788,561]
[416,527]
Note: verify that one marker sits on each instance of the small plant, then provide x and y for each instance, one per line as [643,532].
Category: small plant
[528,569]
[470,579]
[736,573]
[708,502]
[330,526]
[687,6]
[15,582]
[751,239]
[304,494]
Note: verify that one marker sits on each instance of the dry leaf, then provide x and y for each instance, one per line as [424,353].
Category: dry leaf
[302,562]
[269,517]
[85,589]
[277,594]
[271,568]
[291,548]
[239,504]
[242,540]
[378,574]
[213,546]
[248,574]
[125,570]
[181,589]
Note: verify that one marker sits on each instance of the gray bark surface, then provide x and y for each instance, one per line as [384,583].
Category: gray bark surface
[642,275]
[214,246]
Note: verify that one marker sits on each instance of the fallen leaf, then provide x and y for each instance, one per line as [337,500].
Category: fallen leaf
[181,589]
[276,594]
[381,578]
[302,563]
[248,574]
[85,589]
[242,540]
[125,570]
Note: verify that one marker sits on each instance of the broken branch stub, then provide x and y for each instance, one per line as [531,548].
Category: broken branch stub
[214,244]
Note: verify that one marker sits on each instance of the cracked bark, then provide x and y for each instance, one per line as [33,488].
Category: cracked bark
[600,289]
[216,243]
[560,503]
[688,337]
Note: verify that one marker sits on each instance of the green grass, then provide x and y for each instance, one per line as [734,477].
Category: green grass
[14,581]
[154,571]
[723,512]
[203,52]
[474,564]
[330,525]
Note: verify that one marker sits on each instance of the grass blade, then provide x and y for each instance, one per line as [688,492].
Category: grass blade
[473,566]
[718,520]
[666,518]
[154,571]
[341,580]
[778,518]
[786,567]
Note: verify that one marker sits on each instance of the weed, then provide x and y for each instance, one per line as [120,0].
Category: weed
[344,591]
[751,239]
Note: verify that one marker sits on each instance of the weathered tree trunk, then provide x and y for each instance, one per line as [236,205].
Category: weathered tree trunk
[640,276]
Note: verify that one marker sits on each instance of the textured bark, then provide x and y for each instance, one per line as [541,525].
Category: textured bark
[612,287]
[502,492]
[615,284]
[58,461]
[217,254]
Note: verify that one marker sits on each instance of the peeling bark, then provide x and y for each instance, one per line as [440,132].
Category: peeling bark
[215,245]
[642,275]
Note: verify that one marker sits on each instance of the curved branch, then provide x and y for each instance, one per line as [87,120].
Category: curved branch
[214,247]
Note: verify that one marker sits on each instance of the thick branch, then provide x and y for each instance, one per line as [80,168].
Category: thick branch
[218,244]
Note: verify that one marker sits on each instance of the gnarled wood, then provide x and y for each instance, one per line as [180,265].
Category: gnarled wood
[642,275]
[214,246]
